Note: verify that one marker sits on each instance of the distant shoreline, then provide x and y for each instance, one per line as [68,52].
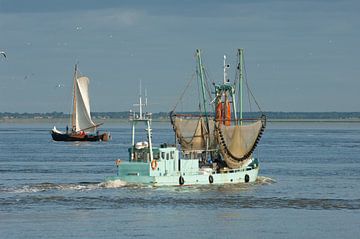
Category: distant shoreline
[116,117]
[314,120]
[63,122]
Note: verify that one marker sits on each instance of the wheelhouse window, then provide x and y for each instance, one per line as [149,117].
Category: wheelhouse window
[156,155]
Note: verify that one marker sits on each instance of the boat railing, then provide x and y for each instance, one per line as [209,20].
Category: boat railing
[136,116]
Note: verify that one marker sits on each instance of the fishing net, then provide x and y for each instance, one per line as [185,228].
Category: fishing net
[237,142]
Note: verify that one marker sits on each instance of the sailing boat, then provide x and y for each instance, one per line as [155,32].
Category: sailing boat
[82,126]
[214,147]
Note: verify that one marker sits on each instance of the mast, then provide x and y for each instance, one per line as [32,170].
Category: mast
[231,90]
[73,115]
[140,103]
[132,133]
[142,117]
[201,75]
[201,72]
[225,68]
[241,66]
[148,121]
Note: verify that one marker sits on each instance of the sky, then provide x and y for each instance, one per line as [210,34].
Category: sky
[301,55]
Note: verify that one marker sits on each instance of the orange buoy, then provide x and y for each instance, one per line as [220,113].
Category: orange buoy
[154,164]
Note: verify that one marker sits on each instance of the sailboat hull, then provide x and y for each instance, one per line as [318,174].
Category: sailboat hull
[80,118]
[56,136]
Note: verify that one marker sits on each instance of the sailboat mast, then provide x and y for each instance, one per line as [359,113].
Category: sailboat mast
[73,115]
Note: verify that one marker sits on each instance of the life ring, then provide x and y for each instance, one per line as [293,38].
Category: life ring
[181,180]
[154,164]
[211,179]
[247,178]
[118,162]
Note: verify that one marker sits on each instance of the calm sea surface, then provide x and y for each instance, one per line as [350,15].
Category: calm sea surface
[309,187]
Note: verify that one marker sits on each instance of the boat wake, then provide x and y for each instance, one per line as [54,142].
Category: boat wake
[113,184]
[228,196]
[262,180]
[109,184]
[42,187]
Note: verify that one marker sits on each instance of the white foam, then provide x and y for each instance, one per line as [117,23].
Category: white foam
[49,186]
[265,180]
[117,183]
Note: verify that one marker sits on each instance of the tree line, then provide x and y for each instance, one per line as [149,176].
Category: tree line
[165,115]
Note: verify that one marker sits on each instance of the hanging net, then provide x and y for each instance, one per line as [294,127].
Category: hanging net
[192,132]
[237,142]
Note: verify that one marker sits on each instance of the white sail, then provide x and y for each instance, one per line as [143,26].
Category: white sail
[82,105]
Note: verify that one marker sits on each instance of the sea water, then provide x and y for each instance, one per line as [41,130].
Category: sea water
[308,187]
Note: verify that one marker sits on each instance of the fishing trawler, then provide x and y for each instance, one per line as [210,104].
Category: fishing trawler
[82,126]
[210,148]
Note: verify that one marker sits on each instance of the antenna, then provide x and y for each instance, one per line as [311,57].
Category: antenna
[140,88]
[140,102]
[224,69]
[146,101]
[226,66]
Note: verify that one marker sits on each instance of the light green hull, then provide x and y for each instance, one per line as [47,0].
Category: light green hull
[174,171]
[196,179]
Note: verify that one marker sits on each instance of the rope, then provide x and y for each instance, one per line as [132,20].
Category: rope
[249,90]
[182,94]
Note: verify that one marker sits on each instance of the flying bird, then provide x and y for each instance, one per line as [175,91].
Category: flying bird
[26,77]
[59,85]
[3,54]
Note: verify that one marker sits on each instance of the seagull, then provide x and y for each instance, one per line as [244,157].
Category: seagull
[3,54]
[26,77]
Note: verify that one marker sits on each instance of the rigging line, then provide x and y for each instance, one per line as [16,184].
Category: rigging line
[182,94]
[237,82]
[198,85]
[252,95]
[247,85]
[247,92]
[207,75]
[207,83]
[248,95]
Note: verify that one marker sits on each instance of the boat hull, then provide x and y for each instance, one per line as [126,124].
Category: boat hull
[136,173]
[78,137]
